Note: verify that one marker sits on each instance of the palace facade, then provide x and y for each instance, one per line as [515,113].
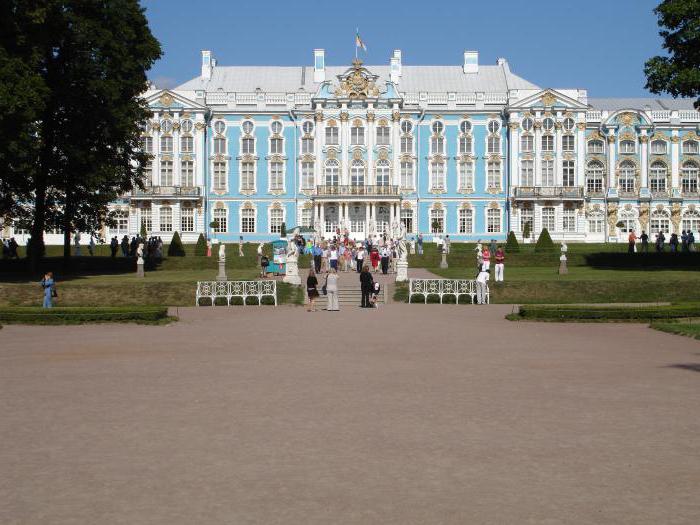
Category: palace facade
[470,150]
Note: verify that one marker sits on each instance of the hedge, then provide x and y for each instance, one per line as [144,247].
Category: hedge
[689,260]
[80,314]
[607,313]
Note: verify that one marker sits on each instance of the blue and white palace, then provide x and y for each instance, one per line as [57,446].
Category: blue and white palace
[469,150]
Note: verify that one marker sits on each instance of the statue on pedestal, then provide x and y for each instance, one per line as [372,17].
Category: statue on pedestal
[222,252]
[139,260]
[291,274]
[222,263]
[563,269]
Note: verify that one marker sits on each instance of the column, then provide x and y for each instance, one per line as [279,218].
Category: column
[318,141]
[558,172]
[366,218]
[344,145]
[538,153]
[314,212]
[675,179]
[176,154]
[514,148]
[391,214]
[200,161]
[612,183]
[371,130]
[322,217]
[644,143]
[580,153]
[395,147]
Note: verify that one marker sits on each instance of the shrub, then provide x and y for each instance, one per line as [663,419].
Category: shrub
[80,315]
[200,248]
[176,249]
[283,231]
[544,242]
[605,313]
[143,233]
[527,230]
[512,245]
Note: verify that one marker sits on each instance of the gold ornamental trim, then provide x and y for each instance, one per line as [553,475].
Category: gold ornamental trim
[166,99]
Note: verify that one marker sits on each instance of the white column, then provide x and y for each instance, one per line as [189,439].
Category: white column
[395,148]
[344,146]
[176,157]
[538,155]
[644,143]
[322,217]
[200,161]
[391,214]
[320,130]
[580,153]
[366,218]
[612,183]
[675,159]
[514,148]
[558,172]
[371,130]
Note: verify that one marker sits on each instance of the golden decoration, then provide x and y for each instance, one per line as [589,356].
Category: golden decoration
[155,126]
[166,99]
[331,154]
[581,126]
[466,206]
[344,116]
[595,136]
[395,116]
[371,116]
[644,139]
[383,154]
[357,84]
[437,206]
[628,119]
[318,117]
[357,154]
[357,123]
[493,205]
[176,126]
[537,125]
[276,205]
[691,135]
[332,123]
[200,126]
[557,125]
[628,207]
[187,157]
[628,136]
[548,99]
[611,139]
[676,215]
[247,205]
[406,205]
[612,216]
[383,122]
[514,126]
[643,214]
[674,139]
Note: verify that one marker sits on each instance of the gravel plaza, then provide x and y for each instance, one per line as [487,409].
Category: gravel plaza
[406,414]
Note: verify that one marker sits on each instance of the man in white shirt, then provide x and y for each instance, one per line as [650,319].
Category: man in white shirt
[482,278]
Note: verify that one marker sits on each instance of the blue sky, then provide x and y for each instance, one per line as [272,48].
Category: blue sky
[596,45]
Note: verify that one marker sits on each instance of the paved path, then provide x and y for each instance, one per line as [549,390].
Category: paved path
[409,414]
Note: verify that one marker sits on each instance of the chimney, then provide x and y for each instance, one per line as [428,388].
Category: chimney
[319,65]
[207,64]
[395,62]
[471,62]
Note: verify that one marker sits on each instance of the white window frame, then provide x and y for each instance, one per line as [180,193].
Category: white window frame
[527,172]
[690,147]
[494,176]
[167,170]
[407,174]
[332,170]
[439,214]
[548,218]
[494,220]
[465,220]
[248,217]
[244,183]
[384,168]
[656,150]
[568,173]
[437,176]
[595,171]
[658,171]
[595,147]
[547,169]
[275,222]
[187,173]
[307,175]
[165,216]
[187,219]
[218,174]
[465,176]
[276,177]
[220,219]
[568,220]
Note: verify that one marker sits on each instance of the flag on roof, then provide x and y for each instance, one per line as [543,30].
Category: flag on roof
[359,42]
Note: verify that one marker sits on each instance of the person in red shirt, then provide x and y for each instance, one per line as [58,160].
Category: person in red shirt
[500,259]
[374,258]
[632,239]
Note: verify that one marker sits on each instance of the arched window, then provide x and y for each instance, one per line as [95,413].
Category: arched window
[357,173]
[121,223]
[248,220]
[595,146]
[220,220]
[493,220]
[596,222]
[627,146]
[594,177]
[626,178]
[332,170]
[166,219]
[527,172]
[187,219]
[628,221]
[691,221]
[383,173]
[407,219]
[690,147]
[658,147]
[657,177]
[465,220]
[659,222]
[689,177]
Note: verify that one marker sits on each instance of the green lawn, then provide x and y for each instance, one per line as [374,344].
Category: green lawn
[690,328]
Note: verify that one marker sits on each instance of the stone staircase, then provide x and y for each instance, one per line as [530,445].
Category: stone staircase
[349,296]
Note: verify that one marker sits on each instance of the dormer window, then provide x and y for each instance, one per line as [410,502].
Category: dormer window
[186,126]
[276,127]
[627,146]
[247,127]
[219,127]
[658,147]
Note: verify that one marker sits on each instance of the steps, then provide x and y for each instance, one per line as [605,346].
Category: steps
[349,297]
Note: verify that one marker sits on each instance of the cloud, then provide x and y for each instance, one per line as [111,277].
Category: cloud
[162,82]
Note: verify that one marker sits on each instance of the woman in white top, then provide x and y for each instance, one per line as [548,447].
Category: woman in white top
[333,258]
[332,290]
[360,258]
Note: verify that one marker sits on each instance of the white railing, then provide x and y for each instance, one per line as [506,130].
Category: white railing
[410,98]
[466,98]
[660,115]
[214,290]
[275,98]
[442,287]
[437,98]
[689,115]
[303,99]
[246,98]
[495,98]
[594,115]
[217,98]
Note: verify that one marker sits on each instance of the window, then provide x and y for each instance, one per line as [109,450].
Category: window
[568,124]
[276,146]
[147,144]
[382,173]
[407,174]
[166,173]
[187,219]
[307,175]
[221,220]
[247,176]
[526,124]
[493,220]
[547,142]
[547,172]
[332,173]
[383,136]
[691,220]
[147,219]
[332,135]
[166,219]
[465,176]
[186,126]
[568,173]
[357,173]
[407,219]
[594,177]
[276,176]
[306,218]
[437,145]
[247,127]
[527,143]
[186,144]
[595,146]
[466,223]
[567,143]
[248,146]
[527,217]
[626,146]
[548,219]
[658,147]
[465,127]
[690,147]
[625,181]
[248,220]
[220,126]
[357,135]
[121,223]
[437,221]
[166,126]
[659,222]
[438,127]
[437,179]
[494,145]
[596,223]
[407,145]
[276,127]
[276,220]
[628,220]
[527,173]
[465,145]
[307,145]
[219,175]
[166,144]
[657,177]
[307,127]
[494,126]
[187,173]
[548,124]
[689,178]
[220,145]
[406,126]
[493,174]
[568,219]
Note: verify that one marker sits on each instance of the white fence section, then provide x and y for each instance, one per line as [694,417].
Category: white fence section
[229,289]
[442,287]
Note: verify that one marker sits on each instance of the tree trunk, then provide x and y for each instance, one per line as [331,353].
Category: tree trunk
[36,250]
[67,215]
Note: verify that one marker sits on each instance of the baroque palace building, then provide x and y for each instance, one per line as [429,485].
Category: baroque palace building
[470,150]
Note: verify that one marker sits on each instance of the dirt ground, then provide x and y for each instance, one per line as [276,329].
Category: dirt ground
[407,414]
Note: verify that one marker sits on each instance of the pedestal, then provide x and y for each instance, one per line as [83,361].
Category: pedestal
[292,274]
[563,270]
[401,271]
[139,267]
[412,245]
[443,262]
[222,271]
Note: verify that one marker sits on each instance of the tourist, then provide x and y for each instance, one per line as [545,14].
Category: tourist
[114,246]
[376,287]
[312,290]
[691,241]
[240,246]
[264,263]
[91,246]
[125,246]
[347,258]
[76,242]
[366,286]
[482,277]
[419,242]
[374,259]
[446,243]
[333,258]
[684,241]
[325,255]
[13,248]
[332,290]
[645,242]
[500,259]
[660,239]
[49,286]
[493,247]
[316,251]
[673,242]
[631,242]
[5,248]
[385,259]
[360,258]
[486,256]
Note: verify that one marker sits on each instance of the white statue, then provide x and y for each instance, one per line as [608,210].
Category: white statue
[398,233]
[371,229]
[222,252]
[564,248]
[317,233]
[139,253]
[292,248]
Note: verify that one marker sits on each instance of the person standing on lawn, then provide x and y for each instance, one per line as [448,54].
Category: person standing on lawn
[691,241]
[645,242]
[113,246]
[631,241]
[673,242]
[47,283]
[500,259]
[486,255]
[660,239]
[482,277]
[240,246]
[76,241]
[684,241]
[420,244]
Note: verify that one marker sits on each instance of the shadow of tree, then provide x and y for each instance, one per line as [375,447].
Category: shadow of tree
[693,367]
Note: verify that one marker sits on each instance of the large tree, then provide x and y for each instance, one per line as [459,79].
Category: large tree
[679,72]
[91,58]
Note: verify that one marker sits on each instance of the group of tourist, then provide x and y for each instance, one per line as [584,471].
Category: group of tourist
[153,247]
[9,248]
[484,254]
[685,244]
